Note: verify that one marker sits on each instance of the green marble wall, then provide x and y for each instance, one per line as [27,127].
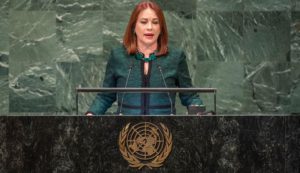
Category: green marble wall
[248,49]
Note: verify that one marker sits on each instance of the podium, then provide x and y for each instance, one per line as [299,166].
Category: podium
[225,143]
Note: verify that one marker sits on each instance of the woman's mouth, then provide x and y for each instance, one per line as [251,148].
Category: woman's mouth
[149,35]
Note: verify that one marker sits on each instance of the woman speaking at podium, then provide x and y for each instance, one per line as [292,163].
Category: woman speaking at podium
[145,60]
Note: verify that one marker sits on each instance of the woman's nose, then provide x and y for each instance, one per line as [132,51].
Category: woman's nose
[149,25]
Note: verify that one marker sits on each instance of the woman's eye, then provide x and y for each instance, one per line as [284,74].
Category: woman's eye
[143,22]
[155,22]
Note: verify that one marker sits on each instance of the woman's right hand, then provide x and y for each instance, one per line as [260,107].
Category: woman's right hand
[89,114]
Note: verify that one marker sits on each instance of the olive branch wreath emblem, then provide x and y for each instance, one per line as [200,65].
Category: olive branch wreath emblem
[134,161]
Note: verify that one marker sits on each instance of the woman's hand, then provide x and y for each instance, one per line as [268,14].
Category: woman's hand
[89,114]
[196,109]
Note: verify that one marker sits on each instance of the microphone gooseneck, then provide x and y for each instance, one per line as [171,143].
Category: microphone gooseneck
[126,83]
[163,77]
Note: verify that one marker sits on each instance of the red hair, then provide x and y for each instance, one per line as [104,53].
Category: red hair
[130,40]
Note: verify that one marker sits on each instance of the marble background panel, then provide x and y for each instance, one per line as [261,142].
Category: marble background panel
[80,31]
[270,84]
[114,26]
[218,36]
[220,5]
[295,89]
[79,5]
[4,4]
[181,35]
[266,36]
[30,25]
[72,75]
[4,39]
[295,37]
[182,8]
[4,90]
[269,5]
[32,4]
[4,67]
[121,5]
[244,5]
[228,78]
[32,40]
[295,5]
[33,90]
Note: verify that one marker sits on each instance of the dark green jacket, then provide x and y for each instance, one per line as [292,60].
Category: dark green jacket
[174,69]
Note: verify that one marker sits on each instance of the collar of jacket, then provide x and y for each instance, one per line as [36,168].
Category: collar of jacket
[141,56]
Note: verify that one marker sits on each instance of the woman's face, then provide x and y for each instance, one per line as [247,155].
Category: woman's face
[147,28]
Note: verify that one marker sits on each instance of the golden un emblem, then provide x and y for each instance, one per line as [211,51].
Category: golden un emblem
[145,144]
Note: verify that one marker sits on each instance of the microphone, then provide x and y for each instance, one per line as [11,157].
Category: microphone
[126,83]
[163,77]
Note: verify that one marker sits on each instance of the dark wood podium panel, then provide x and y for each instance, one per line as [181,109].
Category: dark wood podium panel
[42,144]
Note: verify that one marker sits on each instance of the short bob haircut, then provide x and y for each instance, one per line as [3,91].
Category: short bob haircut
[130,40]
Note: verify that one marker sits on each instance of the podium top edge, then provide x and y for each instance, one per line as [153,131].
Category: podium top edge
[207,90]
